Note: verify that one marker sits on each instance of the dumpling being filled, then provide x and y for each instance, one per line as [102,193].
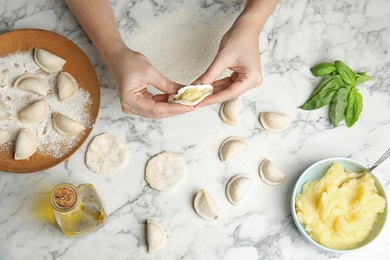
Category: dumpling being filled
[34,113]
[48,61]
[66,126]
[26,144]
[191,95]
[32,83]
[67,86]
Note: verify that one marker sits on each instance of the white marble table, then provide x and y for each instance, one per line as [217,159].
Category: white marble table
[299,35]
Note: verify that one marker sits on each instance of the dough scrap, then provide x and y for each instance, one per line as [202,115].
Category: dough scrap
[166,171]
[106,154]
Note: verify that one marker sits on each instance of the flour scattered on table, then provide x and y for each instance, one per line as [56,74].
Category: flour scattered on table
[13,100]
[106,154]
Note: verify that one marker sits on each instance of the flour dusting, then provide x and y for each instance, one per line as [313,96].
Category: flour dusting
[183,43]
[12,100]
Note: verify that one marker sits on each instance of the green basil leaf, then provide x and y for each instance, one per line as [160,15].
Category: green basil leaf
[362,77]
[345,73]
[338,105]
[324,92]
[323,69]
[354,107]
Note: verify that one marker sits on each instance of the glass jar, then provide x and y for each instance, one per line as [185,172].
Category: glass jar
[77,210]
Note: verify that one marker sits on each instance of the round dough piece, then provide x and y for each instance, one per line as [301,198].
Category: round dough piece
[165,171]
[106,154]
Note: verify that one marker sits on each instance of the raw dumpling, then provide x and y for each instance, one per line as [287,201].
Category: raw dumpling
[34,113]
[32,83]
[67,86]
[274,122]
[66,126]
[237,188]
[6,110]
[205,206]
[106,154]
[48,61]
[231,147]
[26,144]
[166,171]
[155,235]
[191,95]
[4,136]
[270,173]
[230,111]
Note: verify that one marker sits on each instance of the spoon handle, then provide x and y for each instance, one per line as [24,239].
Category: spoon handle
[381,160]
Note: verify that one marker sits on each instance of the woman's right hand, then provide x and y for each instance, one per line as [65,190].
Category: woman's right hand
[132,73]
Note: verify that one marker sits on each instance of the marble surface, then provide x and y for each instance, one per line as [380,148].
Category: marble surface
[298,35]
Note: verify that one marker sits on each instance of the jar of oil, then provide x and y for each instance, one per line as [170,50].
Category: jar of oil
[77,210]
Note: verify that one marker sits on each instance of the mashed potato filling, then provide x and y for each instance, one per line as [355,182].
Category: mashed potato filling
[339,218]
[192,94]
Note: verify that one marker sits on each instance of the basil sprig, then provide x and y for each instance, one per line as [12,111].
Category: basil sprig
[338,88]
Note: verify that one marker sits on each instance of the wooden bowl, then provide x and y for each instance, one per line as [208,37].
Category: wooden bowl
[77,65]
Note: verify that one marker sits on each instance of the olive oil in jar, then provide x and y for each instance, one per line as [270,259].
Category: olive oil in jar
[77,210]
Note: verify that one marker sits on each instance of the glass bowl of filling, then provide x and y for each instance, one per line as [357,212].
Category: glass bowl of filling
[338,219]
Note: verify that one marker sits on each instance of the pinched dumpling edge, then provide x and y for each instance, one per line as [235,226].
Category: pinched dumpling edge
[26,144]
[156,235]
[65,125]
[35,112]
[231,147]
[40,88]
[270,173]
[235,185]
[274,122]
[67,86]
[230,111]
[205,205]
[48,61]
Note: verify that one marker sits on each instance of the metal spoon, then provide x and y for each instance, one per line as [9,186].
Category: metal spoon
[381,160]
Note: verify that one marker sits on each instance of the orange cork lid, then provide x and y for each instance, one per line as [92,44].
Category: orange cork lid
[65,197]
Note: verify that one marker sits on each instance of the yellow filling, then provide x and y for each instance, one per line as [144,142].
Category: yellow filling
[339,218]
[192,94]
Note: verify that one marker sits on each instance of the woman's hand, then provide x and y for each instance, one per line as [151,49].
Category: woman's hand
[238,51]
[132,73]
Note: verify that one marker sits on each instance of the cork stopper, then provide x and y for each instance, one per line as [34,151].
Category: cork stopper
[65,197]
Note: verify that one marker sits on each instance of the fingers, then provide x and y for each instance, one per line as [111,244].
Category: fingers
[146,105]
[227,89]
[224,94]
[161,82]
[212,73]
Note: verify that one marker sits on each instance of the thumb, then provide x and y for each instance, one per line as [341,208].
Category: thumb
[213,72]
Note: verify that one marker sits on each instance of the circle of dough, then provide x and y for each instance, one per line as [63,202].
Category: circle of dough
[165,171]
[106,154]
